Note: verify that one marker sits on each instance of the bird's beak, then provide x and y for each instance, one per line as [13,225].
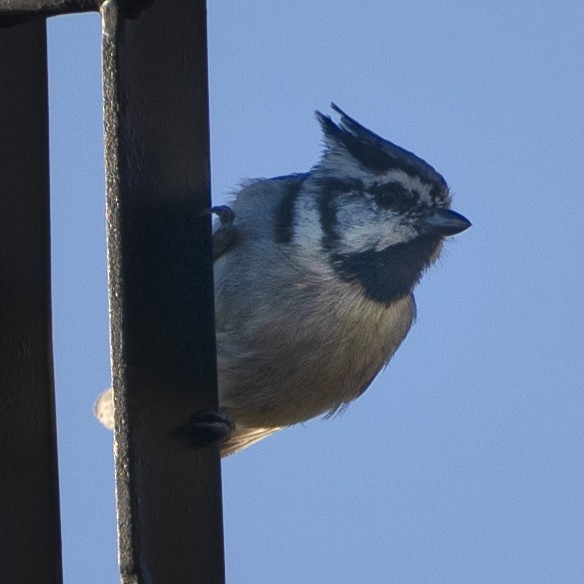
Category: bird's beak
[445,222]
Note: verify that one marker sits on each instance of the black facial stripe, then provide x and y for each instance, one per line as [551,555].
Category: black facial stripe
[392,195]
[284,220]
[328,218]
[330,188]
[389,274]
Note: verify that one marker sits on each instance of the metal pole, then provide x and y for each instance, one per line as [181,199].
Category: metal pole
[161,294]
[30,538]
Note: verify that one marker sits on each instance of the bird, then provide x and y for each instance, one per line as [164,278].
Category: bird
[314,279]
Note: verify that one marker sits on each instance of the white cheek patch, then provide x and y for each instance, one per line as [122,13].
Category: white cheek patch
[364,228]
[307,228]
[379,236]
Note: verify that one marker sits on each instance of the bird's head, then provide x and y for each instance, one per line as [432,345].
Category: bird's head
[384,212]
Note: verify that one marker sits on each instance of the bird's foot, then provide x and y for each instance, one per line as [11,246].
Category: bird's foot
[224,235]
[207,427]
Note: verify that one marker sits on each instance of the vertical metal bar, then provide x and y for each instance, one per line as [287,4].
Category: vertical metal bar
[30,538]
[161,294]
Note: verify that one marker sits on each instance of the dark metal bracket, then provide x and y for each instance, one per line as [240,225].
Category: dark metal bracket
[161,292]
[13,12]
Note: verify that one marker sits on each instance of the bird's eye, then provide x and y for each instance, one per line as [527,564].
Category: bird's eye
[391,196]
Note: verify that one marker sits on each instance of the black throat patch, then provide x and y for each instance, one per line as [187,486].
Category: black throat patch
[389,274]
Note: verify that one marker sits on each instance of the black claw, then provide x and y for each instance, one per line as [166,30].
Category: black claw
[225,213]
[206,427]
[224,236]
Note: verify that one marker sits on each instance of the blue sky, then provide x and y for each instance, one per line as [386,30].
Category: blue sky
[463,462]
